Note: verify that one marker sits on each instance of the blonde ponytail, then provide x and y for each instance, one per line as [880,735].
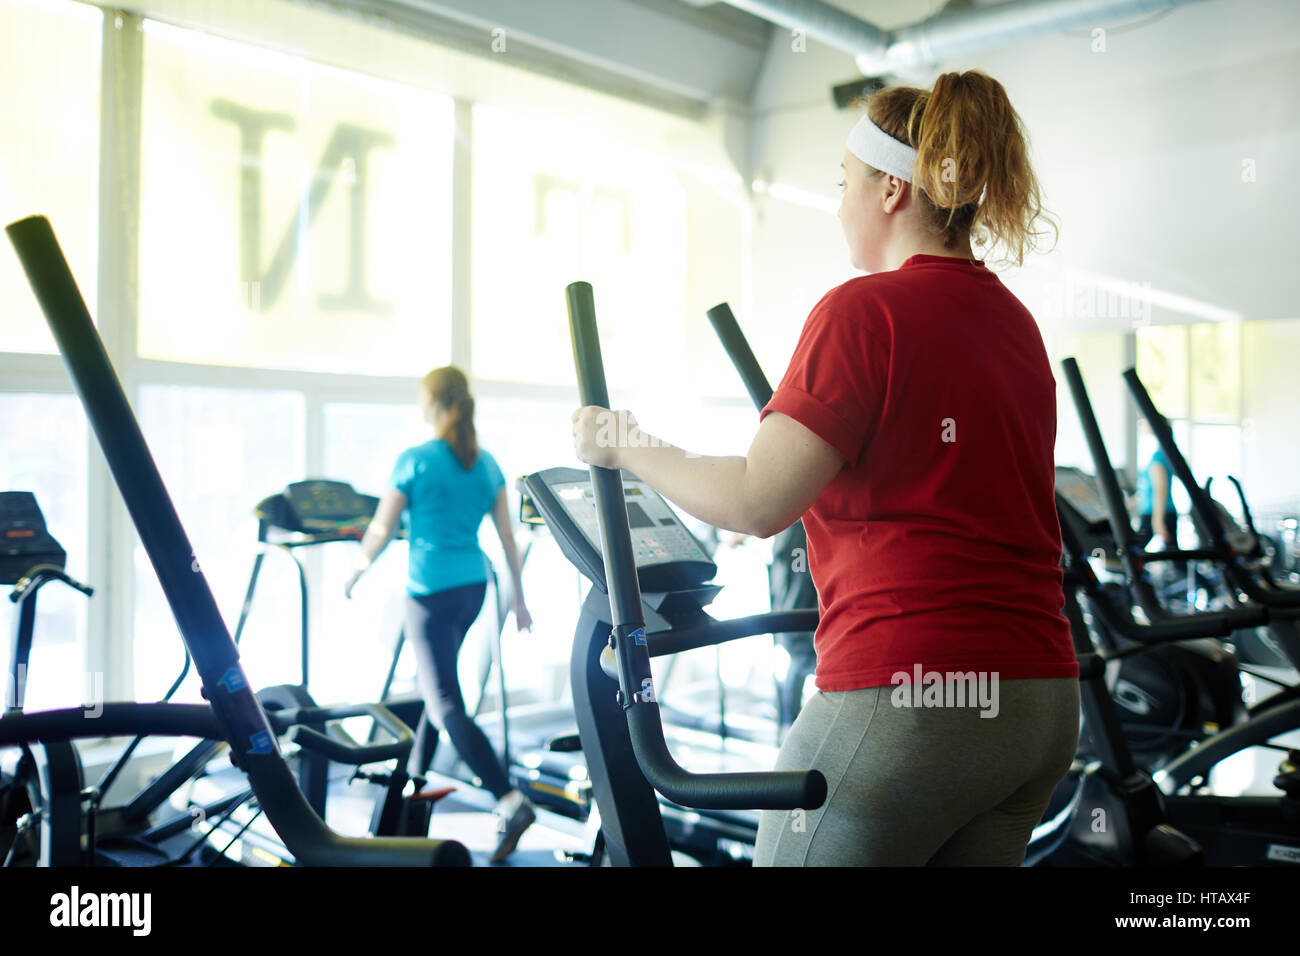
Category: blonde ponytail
[450,390]
[972,165]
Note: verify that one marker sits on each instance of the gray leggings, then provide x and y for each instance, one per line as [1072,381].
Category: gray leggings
[928,786]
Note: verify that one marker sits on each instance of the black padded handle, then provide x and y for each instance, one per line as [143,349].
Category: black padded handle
[785,790]
[742,356]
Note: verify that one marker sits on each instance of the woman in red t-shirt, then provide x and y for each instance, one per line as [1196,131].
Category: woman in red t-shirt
[913,431]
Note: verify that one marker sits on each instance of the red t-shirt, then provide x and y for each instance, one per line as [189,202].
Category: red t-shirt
[938,542]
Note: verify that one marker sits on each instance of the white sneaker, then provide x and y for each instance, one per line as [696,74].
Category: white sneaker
[516,815]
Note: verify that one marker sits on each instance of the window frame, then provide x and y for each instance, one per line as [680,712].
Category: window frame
[109,640]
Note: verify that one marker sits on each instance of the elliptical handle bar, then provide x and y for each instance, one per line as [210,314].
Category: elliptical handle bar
[1240,577]
[774,791]
[1121,528]
[742,356]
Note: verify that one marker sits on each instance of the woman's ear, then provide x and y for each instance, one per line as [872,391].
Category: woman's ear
[894,193]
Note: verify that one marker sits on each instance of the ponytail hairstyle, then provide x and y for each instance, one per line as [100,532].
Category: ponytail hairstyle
[450,391]
[972,165]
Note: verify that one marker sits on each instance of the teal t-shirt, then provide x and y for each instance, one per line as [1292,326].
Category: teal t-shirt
[445,506]
[1144,484]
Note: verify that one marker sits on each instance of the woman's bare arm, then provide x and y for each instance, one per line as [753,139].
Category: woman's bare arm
[1159,500]
[785,471]
[379,532]
[506,532]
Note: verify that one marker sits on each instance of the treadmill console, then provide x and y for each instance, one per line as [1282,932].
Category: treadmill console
[318,506]
[1079,503]
[668,556]
[1081,491]
[24,540]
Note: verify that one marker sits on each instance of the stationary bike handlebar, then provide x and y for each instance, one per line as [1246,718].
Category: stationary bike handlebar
[41,575]
[778,790]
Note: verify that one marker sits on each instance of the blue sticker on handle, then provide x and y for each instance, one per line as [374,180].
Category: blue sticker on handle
[639,635]
[232,680]
[261,743]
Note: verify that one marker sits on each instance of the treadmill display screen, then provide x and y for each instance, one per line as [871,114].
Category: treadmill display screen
[658,537]
[1082,492]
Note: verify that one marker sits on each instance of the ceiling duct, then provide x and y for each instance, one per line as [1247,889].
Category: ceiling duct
[880,52]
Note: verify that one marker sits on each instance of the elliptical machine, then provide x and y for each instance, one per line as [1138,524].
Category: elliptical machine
[621,628]
[1120,813]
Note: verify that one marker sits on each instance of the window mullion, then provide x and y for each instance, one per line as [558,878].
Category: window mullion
[109,648]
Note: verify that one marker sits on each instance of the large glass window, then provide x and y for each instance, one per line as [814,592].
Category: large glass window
[49,124]
[297,217]
[1216,371]
[527,435]
[1194,375]
[221,451]
[43,450]
[292,215]
[353,647]
[1162,363]
[1216,454]
[554,205]
[362,442]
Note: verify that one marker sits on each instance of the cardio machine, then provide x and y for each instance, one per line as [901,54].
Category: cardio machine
[650,585]
[233,716]
[310,514]
[1169,696]
[317,512]
[1121,813]
[795,592]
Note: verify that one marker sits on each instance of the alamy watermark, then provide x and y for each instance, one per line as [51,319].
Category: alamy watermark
[1086,297]
[92,683]
[73,909]
[620,430]
[921,688]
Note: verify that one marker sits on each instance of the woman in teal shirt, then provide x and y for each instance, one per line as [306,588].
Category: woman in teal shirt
[1157,515]
[445,487]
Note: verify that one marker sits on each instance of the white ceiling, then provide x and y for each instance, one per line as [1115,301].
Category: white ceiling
[1140,149]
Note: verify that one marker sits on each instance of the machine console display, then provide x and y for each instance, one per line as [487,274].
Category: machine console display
[658,537]
[668,557]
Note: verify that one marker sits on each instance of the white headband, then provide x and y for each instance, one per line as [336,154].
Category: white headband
[879,150]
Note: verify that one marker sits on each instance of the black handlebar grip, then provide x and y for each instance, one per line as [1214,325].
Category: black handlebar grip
[1106,479]
[586,345]
[784,790]
[718,791]
[742,356]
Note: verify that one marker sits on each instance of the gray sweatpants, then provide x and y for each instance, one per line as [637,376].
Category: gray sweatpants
[923,786]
